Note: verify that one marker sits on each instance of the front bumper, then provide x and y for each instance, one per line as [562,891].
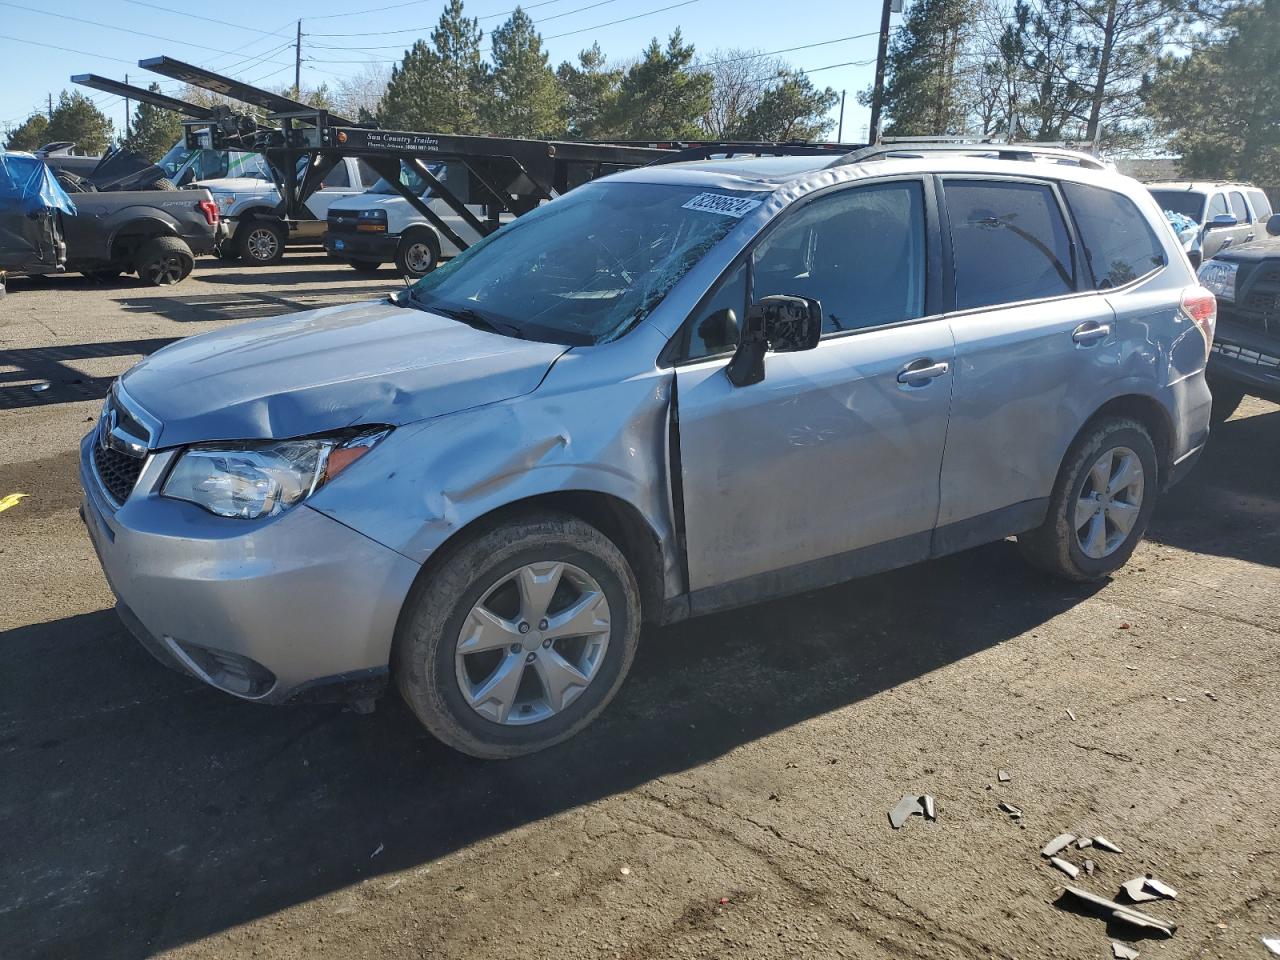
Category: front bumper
[362,246]
[1248,358]
[269,610]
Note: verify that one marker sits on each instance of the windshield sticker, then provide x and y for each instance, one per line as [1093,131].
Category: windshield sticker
[736,207]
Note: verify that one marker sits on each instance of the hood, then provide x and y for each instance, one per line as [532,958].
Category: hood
[325,369]
[366,201]
[1267,248]
[236,185]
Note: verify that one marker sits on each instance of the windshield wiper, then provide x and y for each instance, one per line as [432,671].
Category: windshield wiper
[473,318]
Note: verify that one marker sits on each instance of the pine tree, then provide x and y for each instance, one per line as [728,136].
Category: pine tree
[31,134]
[525,99]
[75,118]
[439,87]
[1233,133]
[661,96]
[921,90]
[590,91]
[792,109]
[154,130]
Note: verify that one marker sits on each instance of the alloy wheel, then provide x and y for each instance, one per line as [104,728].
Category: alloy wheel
[1109,502]
[166,270]
[263,244]
[533,643]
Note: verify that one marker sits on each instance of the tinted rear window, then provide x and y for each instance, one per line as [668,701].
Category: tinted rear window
[1186,202]
[1009,242]
[1261,205]
[1118,243]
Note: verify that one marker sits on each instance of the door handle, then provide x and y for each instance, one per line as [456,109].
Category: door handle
[921,371]
[1091,332]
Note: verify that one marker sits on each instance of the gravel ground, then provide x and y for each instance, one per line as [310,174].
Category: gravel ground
[732,801]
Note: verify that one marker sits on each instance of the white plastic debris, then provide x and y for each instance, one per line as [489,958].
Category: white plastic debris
[1070,714]
[1070,869]
[1082,842]
[625,871]
[1272,944]
[1123,952]
[1119,911]
[1106,844]
[908,806]
[1003,776]
[930,811]
[1058,844]
[1011,810]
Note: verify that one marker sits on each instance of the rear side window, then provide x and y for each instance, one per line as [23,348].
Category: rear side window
[1118,243]
[338,176]
[1009,242]
[1239,209]
[1261,205]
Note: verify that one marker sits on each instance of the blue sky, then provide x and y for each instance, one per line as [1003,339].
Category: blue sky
[260,49]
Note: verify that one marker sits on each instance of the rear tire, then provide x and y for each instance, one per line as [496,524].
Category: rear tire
[417,255]
[1226,400]
[164,183]
[261,242]
[164,261]
[501,700]
[1082,537]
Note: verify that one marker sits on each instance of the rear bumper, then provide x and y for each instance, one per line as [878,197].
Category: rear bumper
[362,246]
[294,607]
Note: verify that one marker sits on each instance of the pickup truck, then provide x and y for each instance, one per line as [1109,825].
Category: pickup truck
[257,233]
[156,234]
[1245,356]
[368,230]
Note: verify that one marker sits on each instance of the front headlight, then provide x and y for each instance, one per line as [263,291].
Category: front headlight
[262,478]
[1220,277]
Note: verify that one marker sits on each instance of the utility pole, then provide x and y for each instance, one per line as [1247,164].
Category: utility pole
[840,132]
[877,92]
[51,108]
[127,132]
[297,63]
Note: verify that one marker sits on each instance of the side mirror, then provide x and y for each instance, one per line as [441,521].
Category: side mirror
[780,323]
[1273,225]
[1223,220]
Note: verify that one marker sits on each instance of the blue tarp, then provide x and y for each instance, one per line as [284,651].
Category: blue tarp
[27,186]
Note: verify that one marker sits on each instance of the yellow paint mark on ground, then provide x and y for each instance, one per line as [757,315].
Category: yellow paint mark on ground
[11,500]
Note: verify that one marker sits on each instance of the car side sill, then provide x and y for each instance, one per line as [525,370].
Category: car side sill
[862,562]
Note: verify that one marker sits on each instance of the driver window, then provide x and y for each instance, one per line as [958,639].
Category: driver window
[338,176]
[859,252]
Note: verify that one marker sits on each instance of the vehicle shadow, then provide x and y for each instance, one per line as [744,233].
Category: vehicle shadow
[249,305]
[235,274]
[1237,483]
[154,811]
[57,381]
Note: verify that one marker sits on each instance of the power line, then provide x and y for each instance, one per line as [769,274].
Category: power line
[54,46]
[196,16]
[491,16]
[107,26]
[557,36]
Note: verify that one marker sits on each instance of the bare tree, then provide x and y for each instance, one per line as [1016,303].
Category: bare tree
[739,80]
[360,95]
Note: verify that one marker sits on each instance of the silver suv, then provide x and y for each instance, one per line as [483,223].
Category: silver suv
[668,392]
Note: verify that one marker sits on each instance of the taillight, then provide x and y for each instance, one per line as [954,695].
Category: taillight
[210,211]
[1201,307]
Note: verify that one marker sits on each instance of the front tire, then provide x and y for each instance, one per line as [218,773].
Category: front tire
[1101,503]
[520,638]
[417,255]
[261,242]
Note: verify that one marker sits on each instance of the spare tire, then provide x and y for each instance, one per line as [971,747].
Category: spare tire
[164,183]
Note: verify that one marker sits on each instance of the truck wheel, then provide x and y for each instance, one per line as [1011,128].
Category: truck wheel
[261,242]
[1225,402]
[366,266]
[1101,503]
[521,638]
[164,183]
[417,255]
[164,261]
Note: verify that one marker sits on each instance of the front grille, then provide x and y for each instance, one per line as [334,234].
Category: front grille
[339,224]
[118,471]
[1259,305]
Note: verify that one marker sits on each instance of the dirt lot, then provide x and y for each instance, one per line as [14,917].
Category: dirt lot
[733,800]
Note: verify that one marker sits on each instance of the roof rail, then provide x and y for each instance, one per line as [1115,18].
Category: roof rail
[971,147]
[707,149]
